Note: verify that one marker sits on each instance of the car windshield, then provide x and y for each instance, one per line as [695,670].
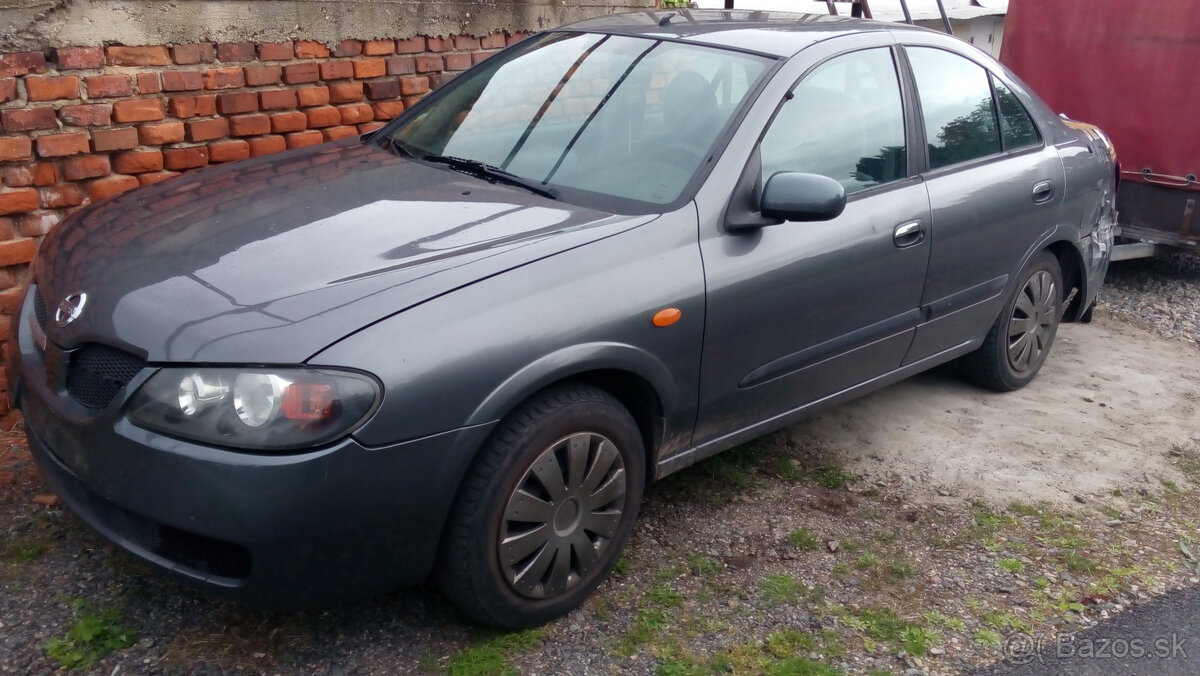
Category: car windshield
[621,123]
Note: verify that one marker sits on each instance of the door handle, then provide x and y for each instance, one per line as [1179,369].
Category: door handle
[908,234]
[1042,192]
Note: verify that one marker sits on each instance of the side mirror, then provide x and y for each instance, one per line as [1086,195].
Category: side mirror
[795,196]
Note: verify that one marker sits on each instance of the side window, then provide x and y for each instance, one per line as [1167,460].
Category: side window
[1016,127]
[845,121]
[956,99]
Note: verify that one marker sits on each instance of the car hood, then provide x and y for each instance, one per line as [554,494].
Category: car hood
[271,260]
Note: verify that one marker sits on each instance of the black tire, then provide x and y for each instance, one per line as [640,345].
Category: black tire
[497,582]
[1019,341]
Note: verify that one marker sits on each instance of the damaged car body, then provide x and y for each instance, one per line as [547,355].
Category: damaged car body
[464,344]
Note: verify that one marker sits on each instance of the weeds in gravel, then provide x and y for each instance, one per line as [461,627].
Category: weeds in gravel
[987,637]
[492,653]
[702,565]
[781,589]
[1010,565]
[93,635]
[664,597]
[917,640]
[946,622]
[32,539]
[647,624]
[833,477]
[802,539]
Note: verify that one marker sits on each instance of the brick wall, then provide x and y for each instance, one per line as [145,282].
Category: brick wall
[81,124]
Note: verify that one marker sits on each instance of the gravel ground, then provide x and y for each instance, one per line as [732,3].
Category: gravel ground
[770,558]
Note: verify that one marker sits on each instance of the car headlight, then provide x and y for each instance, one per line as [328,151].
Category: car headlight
[254,408]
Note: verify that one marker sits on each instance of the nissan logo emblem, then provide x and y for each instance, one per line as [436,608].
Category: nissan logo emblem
[69,309]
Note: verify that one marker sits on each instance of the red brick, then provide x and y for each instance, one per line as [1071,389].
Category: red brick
[187,55]
[114,139]
[44,173]
[383,89]
[206,104]
[356,112]
[107,86]
[138,56]
[307,49]
[293,120]
[323,116]
[206,130]
[228,151]
[235,52]
[276,99]
[28,119]
[386,110]
[517,37]
[465,43]
[429,64]
[250,125]
[17,251]
[182,80]
[184,107]
[439,44]
[299,73]
[256,76]
[79,58]
[224,78]
[276,51]
[92,115]
[8,89]
[348,48]
[265,145]
[22,63]
[401,65]
[301,139]
[61,145]
[367,127]
[7,302]
[335,133]
[337,70]
[480,57]
[368,68]
[18,201]
[241,102]
[156,176]
[313,96]
[138,161]
[410,46]
[379,47]
[138,110]
[149,83]
[61,196]
[493,41]
[411,86]
[87,166]
[458,61]
[343,92]
[18,175]
[15,148]
[103,188]
[177,159]
[38,223]
[160,133]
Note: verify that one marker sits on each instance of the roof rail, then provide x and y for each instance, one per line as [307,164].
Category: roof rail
[862,8]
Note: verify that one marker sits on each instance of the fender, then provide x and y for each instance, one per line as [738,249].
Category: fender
[1059,233]
[573,360]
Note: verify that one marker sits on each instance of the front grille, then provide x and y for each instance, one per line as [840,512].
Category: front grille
[39,308]
[97,372]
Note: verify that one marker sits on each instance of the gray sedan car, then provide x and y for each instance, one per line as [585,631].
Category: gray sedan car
[465,343]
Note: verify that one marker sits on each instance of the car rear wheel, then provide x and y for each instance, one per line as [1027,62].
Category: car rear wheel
[1019,341]
[545,510]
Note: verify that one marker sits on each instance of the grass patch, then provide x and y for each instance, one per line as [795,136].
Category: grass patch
[664,597]
[781,589]
[92,636]
[647,624]
[491,654]
[945,621]
[987,637]
[1010,565]
[833,477]
[703,565]
[917,640]
[802,539]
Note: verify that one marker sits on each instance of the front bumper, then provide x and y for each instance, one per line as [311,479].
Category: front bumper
[339,522]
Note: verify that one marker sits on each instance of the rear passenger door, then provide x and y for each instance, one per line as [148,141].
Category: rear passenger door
[994,188]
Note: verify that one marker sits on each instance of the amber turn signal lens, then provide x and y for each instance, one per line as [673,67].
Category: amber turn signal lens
[667,316]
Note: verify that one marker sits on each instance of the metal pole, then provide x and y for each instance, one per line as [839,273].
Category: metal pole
[831,6]
[904,7]
[728,4]
[866,9]
[945,19]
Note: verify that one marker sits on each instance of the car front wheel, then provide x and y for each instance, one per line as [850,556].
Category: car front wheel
[545,510]
[1019,341]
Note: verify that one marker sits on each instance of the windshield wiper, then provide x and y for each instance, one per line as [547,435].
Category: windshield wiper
[492,173]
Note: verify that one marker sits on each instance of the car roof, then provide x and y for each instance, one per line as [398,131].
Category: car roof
[774,33]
